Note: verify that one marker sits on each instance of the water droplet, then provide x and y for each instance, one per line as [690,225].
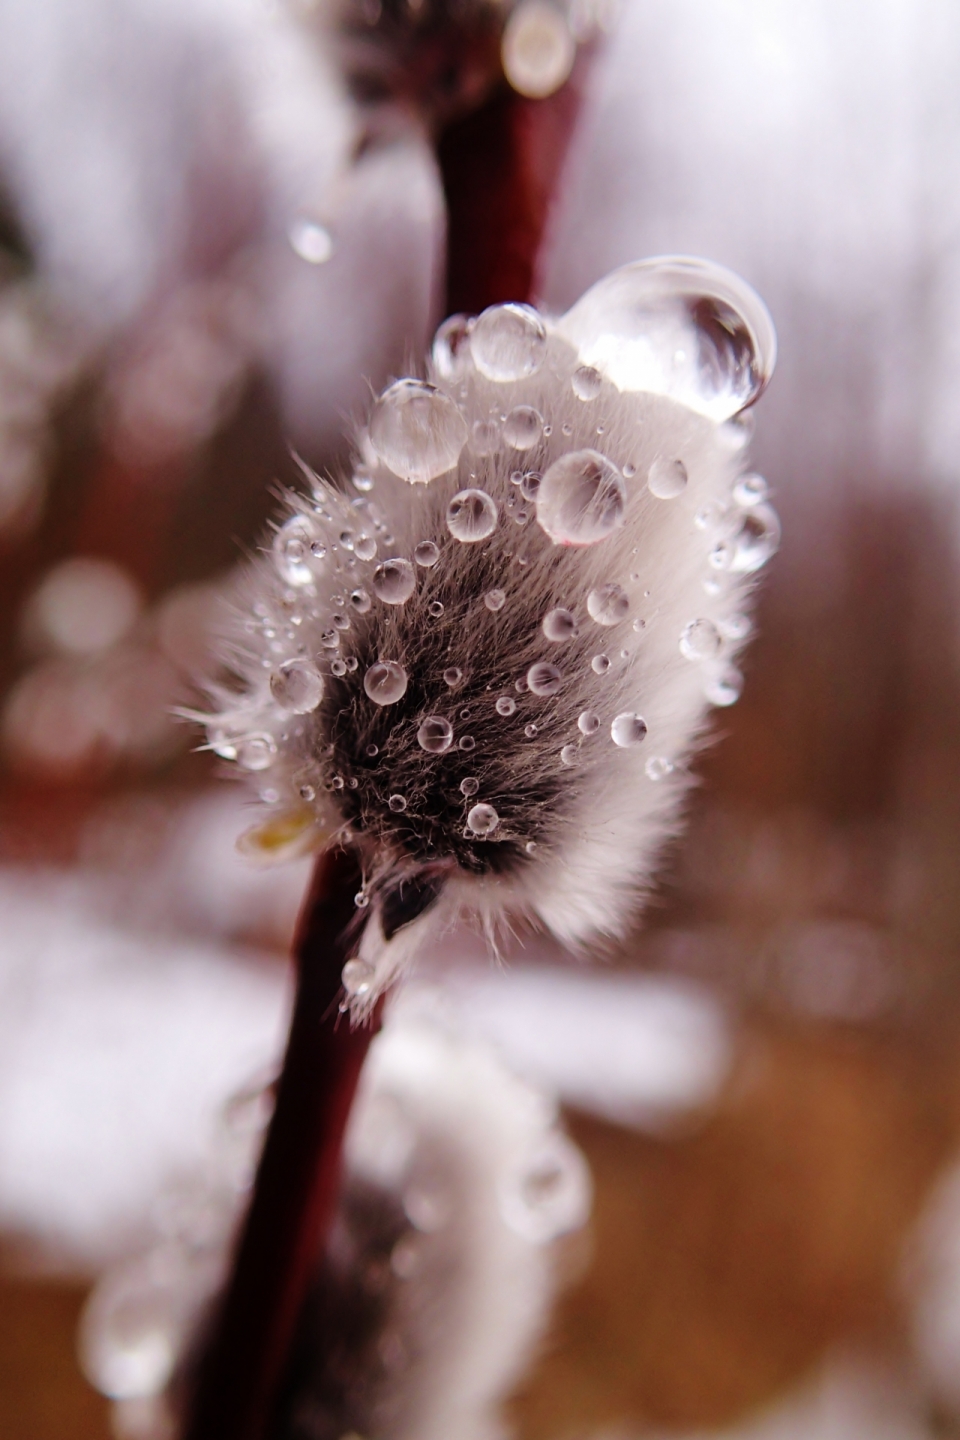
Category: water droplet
[397,803]
[307,793]
[292,553]
[600,664]
[363,481]
[530,847]
[700,640]
[506,705]
[256,752]
[471,516]
[658,767]
[373,750]
[724,688]
[530,730]
[750,490]
[666,479]
[581,499]
[629,470]
[549,1194]
[417,430]
[530,484]
[435,609]
[538,49]
[365,547]
[452,677]
[485,436]
[346,539]
[567,428]
[736,627]
[588,723]
[467,742]
[721,555]
[587,382]
[757,540]
[544,679]
[523,427]
[608,604]
[569,755]
[451,347]
[297,687]
[340,621]
[360,601]
[330,639]
[361,900]
[385,682]
[679,327]
[508,342]
[628,729]
[495,599]
[357,975]
[426,554]
[558,625]
[351,663]
[310,240]
[483,819]
[435,734]
[469,786]
[394,581]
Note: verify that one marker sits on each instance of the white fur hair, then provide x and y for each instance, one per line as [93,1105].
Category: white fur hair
[580,820]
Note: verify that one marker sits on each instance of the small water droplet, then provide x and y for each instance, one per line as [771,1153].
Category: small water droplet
[256,752]
[351,663]
[587,382]
[338,667]
[361,900]
[485,436]
[523,427]
[530,730]
[330,639]
[710,516]
[495,599]
[346,539]
[530,847]
[608,604]
[467,742]
[750,490]
[483,819]
[506,705]
[451,347]
[581,499]
[569,755]
[566,428]
[469,786]
[628,729]
[310,240]
[426,554]
[297,687]
[435,608]
[629,470]
[340,621]
[666,479]
[397,804]
[700,640]
[357,977]
[538,49]
[471,516]
[363,481]
[588,723]
[435,734]
[658,767]
[292,552]
[757,540]
[365,547]
[394,581]
[724,688]
[373,750]
[530,484]
[721,555]
[360,601]
[544,679]
[737,626]
[508,342]
[453,676]
[600,664]
[307,793]
[385,682]
[417,430]
[558,625]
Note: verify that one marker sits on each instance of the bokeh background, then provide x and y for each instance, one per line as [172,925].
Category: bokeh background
[211,248]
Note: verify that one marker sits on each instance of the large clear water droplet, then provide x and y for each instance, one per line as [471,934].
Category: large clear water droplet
[523,427]
[471,516]
[417,430]
[453,676]
[588,723]
[586,382]
[292,553]
[581,499]
[628,729]
[701,640]
[394,581]
[508,342]
[608,604]
[757,540]
[667,479]
[559,625]
[677,326]
[435,734]
[385,682]
[600,664]
[297,687]
[483,819]
[544,679]
[426,554]
[469,786]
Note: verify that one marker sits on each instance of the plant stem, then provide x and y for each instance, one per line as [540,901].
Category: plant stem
[298,1177]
